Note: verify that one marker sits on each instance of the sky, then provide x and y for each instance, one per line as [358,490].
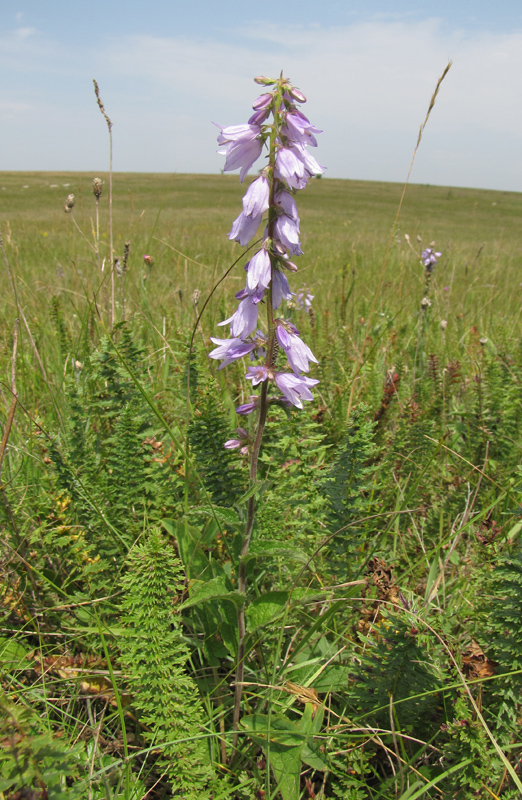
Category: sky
[167,69]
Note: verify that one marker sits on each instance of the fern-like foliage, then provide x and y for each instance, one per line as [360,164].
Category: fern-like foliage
[117,476]
[467,742]
[347,486]
[395,665]
[62,334]
[34,763]
[155,657]
[208,432]
[503,641]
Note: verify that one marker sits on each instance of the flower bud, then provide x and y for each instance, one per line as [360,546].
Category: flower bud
[149,261]
[69,204]
[263,101]
[262,81]
[297,94]
[97,187]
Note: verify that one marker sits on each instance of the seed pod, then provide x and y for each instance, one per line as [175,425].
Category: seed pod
[97,187]
[69,204]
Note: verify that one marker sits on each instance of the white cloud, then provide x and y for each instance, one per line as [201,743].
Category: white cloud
[369,86]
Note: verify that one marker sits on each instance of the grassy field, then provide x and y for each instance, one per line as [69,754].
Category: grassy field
[346,226]
[384,609]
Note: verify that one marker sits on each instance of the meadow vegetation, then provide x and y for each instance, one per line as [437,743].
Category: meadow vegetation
[384,607]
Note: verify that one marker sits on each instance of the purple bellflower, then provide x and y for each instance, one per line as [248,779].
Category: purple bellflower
[270,197]
[429,258]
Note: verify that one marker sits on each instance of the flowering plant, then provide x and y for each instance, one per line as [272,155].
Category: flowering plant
[280,127]
[289,168]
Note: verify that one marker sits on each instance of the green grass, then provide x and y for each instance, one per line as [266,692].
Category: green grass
[346,226]
[432,491]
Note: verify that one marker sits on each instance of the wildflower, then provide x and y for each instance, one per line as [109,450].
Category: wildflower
[247,408]
[149,261]
[231,349]
[259,270]
[295,388]
[429,258]
[303,299]
[255,201]
[280,288]
[257,375]
[443,324]
[244,228]
[243,147]
[241,441]
[244,320]
[425,302]
[289,167]
[297,352]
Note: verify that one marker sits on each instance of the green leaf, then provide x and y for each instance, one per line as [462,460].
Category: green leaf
[264,609]
[276,729]
[12,654]
[189,540]
[273,548]
[225,515]
[215,589]
[514,530]
[286,766]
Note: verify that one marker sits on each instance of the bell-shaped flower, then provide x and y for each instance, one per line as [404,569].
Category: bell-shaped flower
[290,169]
[242,441]
[259,270]
[244,321]
[255,201]
[286,231]
[257,374]
[247,408]
[312,167]
[244,229]
[231,349]
[286,202]
[280,288]
[297,352]
[299,129]
[295,388]
[243,147]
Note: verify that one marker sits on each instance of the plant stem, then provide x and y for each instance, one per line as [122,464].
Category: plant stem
[263,409]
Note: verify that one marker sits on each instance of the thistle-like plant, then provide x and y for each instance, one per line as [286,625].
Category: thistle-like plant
[280,127]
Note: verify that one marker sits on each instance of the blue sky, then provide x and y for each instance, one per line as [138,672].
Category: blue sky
[167,69]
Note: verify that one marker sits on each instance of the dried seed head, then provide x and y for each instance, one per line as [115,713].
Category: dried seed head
[196,294]
[425,302]
[443,324]
[97,187]
[69,204]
